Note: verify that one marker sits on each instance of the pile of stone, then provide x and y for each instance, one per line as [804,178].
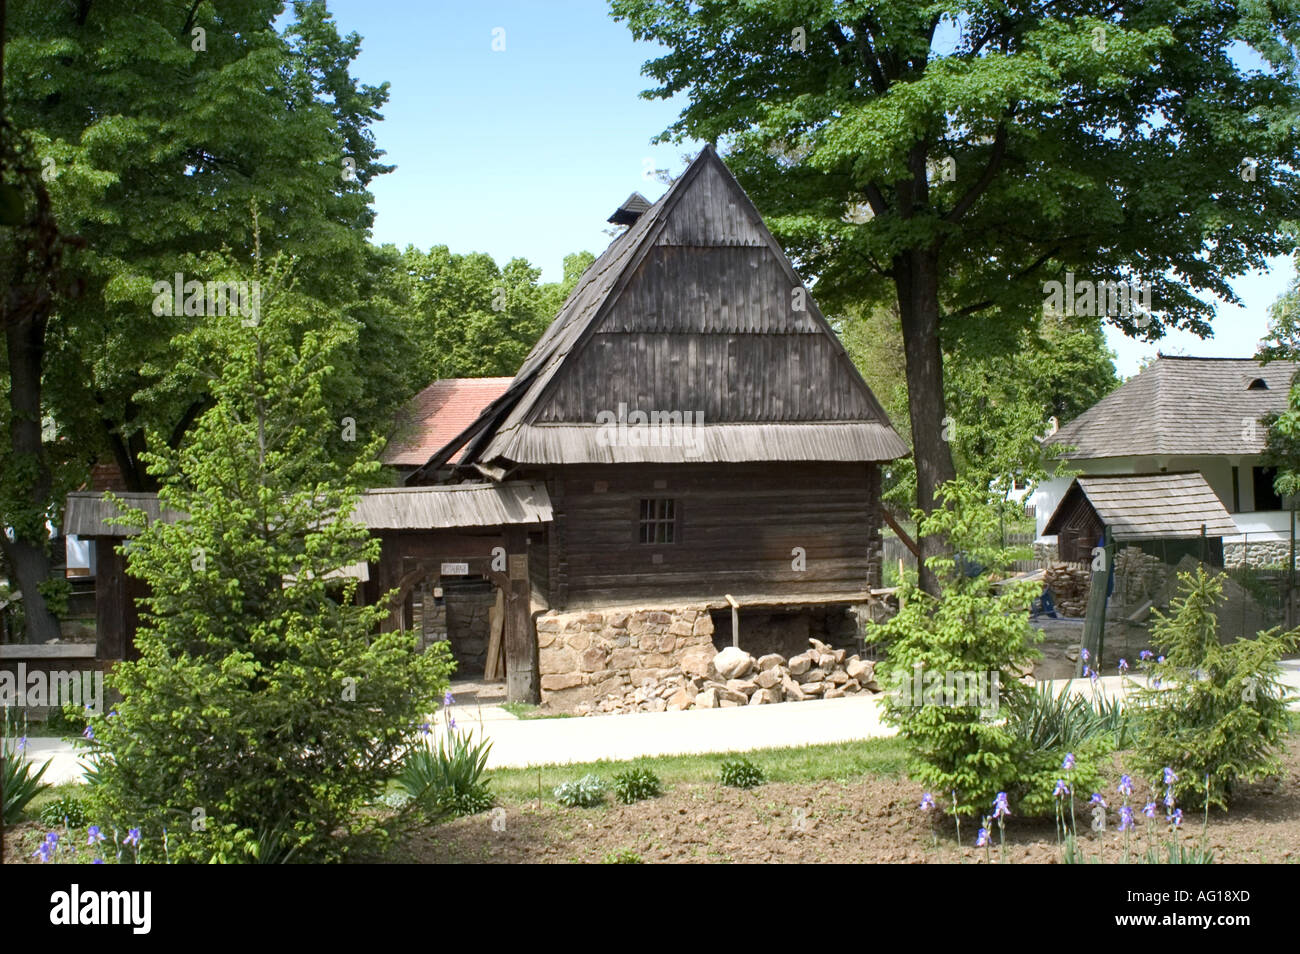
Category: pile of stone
[1069,583]
[1139,576]
[736,678]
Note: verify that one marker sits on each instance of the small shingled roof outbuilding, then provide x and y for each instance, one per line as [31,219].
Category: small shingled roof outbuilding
[1148,506]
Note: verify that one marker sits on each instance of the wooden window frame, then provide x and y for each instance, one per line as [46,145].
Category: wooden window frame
[658,522]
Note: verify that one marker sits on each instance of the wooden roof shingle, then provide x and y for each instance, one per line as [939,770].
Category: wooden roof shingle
[380,508]
[1149,506]
[1180,406]
[746,302]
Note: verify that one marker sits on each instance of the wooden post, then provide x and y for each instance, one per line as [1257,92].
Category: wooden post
[735,621]
[1094,624]
[522,680]
[386,575]
[110,600]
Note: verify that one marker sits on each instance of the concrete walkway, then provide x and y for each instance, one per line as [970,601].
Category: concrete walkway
[518,743]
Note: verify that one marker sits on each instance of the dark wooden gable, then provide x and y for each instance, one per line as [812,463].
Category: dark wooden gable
[709,320]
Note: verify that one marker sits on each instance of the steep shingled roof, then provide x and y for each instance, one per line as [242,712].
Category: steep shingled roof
[508,432]
[1182,406]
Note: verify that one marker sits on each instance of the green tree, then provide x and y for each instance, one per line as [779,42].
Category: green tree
[953,157]
[157,127]
[264,703]
[960,745]
[473,318]
[1282,440]
[1213,713]
[1001,393]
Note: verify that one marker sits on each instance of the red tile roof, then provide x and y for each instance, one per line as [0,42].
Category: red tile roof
[436,415]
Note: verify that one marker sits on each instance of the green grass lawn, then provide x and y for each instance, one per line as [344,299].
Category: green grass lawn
[809,763]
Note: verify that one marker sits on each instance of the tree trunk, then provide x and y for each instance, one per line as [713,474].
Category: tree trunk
[28,553]
[917,282]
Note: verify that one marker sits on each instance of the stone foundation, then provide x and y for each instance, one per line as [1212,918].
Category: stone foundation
[586,655]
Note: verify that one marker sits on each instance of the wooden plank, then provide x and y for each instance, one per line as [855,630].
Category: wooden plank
[494,666]
[110,601]
[521,654]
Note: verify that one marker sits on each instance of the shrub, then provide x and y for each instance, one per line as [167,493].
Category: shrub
[447,779]
[65,810]
[973,628]
[1212,710]
[586,792]
[266,709]
[20,780]
[636,784]
[741,773]
[1061,721]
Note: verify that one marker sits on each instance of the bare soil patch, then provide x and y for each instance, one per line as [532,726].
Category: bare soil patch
[872,819]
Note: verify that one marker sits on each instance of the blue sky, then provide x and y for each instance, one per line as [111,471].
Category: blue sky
[524,152]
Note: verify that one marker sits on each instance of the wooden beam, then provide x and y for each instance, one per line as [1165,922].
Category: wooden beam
[522,681]
[110,601]
[900,532]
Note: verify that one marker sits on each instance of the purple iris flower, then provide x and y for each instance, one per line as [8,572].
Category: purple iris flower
[95,835]
[983,838]
[1123,666]
[1069,761]
[1170,777]
[1125,818]
[1086,655]
[89,733]
[1097,800]
[1150,810]
[1061,788]
[448,699]
[1125,785]
[1145,654]
[1176,819]
[927,802]
[1000,807]
[132,837]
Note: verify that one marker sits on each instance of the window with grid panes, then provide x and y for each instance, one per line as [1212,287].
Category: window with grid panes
[658,523]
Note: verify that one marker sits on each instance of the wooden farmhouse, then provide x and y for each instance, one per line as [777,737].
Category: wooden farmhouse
[687,441]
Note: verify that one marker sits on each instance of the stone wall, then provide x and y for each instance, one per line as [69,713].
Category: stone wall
[1263,553]
[462,616]
[586,655]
